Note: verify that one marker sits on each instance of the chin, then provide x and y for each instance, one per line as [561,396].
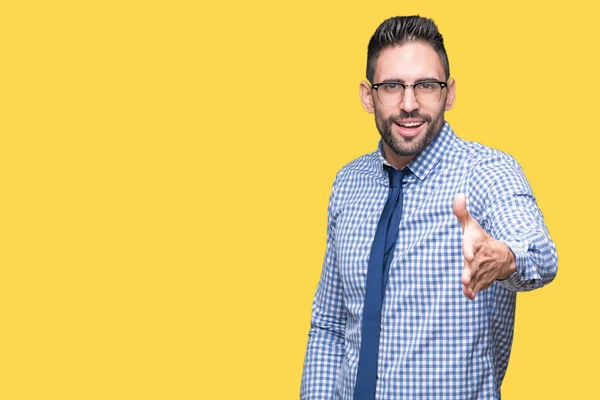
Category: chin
[408,147]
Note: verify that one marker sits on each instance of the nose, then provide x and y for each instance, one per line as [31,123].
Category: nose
[409,101]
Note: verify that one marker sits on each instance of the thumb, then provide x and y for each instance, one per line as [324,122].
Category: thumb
[460,209]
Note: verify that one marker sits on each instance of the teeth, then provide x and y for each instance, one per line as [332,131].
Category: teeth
[411,124]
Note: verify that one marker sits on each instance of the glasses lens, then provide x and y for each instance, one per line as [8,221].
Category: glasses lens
[390,94]
[428,93]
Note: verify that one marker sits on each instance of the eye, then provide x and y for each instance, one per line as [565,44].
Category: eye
[391,87]
[427,85]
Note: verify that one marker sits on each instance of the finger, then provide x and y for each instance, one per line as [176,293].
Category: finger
[465,278]
[473,285]
[481,284]
[468,248]
[478,286]
[460,209]
[469,293]
[474,274]
[472,243]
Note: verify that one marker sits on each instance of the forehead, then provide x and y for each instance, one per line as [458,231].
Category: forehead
[408,62]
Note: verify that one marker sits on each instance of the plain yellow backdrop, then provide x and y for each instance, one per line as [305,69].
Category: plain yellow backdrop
[165,168]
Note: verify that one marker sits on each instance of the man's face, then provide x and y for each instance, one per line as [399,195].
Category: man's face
[408,128]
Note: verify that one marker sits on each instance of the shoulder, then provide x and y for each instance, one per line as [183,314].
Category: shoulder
[483,164]
[360,168]
[356,178]
[493,177]
[480,156]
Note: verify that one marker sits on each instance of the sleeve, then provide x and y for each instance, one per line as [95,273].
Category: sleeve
[325,350]
[506,209]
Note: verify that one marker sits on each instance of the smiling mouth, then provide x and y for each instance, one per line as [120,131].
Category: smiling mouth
[409,128]
[410,124]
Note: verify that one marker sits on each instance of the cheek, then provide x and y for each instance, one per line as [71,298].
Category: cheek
[438,113]
[382,121]
[382,114]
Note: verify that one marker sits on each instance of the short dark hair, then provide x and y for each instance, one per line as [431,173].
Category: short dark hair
[396,31]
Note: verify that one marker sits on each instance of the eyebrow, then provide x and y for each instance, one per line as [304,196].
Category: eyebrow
[425,79]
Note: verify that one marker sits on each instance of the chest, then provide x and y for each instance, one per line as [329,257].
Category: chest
[428,247]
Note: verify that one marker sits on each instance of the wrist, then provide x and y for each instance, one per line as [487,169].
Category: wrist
[510,264]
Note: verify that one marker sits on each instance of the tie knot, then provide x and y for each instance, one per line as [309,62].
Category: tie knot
[396,176]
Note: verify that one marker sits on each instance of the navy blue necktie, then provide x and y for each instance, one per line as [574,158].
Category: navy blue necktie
[379,266]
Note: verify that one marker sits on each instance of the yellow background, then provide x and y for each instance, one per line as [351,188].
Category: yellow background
[165,168]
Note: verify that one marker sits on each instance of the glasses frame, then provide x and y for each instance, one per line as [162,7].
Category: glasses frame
[412,86]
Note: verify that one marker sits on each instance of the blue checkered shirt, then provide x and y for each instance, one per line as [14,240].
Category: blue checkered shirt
[435,343]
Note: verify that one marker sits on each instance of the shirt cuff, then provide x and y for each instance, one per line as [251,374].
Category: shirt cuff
[520,280]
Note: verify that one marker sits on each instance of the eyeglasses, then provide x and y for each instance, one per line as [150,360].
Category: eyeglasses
[427,93]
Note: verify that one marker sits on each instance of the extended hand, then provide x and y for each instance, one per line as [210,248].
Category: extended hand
[486,259]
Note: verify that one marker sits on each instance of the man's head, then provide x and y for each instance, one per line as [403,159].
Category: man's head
[397,31]
[403,52]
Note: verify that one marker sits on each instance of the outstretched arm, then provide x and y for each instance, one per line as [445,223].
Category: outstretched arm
[508,241]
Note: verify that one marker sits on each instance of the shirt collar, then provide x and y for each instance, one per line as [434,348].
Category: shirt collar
[425,161]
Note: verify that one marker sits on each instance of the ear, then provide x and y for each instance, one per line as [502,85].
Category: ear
[366,97]
[451,97]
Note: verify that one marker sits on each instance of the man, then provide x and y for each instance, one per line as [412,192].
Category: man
[429,239]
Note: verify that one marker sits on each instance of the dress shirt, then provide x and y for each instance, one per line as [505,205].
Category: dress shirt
[435,343]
